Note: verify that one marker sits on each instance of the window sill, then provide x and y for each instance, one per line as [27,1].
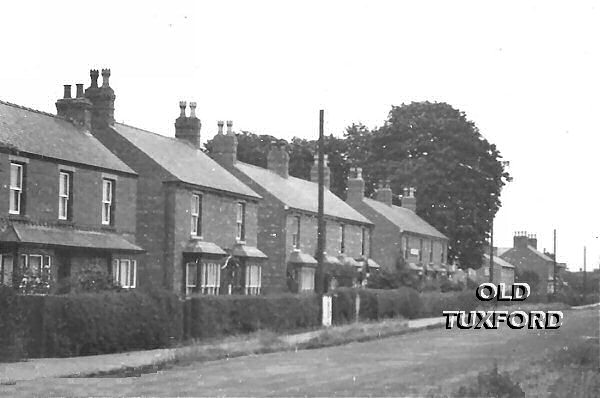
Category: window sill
[196,237]
[18,217]
[240,242]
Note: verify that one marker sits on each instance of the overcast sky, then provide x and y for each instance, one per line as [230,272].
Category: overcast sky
[527,74]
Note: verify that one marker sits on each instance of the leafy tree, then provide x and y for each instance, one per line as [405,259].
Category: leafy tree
[530,277]
[458,174]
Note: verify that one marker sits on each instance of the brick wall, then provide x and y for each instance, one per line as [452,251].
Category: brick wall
[526,260]
[218,225]
[41,194]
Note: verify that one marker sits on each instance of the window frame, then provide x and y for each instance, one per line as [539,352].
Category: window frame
[252,286]
[15,188]
[196,215]
[66,196]
[240,220]
[363,243]
[190,288]
[431,251]
[130,272]
[342,238]
[108,203]
[421,250]
[212,269]
[296,234]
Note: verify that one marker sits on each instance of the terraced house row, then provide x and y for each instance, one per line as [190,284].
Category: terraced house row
[82,195]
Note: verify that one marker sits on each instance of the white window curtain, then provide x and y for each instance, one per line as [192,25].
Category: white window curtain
[253,279]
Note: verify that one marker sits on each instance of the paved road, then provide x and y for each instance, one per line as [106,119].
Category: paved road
[412,364]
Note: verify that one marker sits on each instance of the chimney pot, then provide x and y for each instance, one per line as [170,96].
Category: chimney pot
[94,78]
[67,92]
[192,109]
[229,127]
[182,105]
[220,126]
[79,90]
[105,77]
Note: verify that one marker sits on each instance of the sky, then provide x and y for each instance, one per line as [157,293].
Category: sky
[525,72]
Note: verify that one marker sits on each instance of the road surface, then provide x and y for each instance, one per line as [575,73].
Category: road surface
[409,365]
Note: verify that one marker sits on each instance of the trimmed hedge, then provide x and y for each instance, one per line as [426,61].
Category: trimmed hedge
[376,304]
[98,323]
[213,316]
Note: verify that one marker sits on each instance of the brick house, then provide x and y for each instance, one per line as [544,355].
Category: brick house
[400,236]
[525,256]
[504,272]
[196,221]
[67,204]
[287,218]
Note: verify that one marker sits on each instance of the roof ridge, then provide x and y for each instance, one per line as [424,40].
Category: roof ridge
[32,110]
[271,171]
[151,132]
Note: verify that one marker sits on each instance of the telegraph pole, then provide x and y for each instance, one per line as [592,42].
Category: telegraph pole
[492,253]
[555,275]
[320,277]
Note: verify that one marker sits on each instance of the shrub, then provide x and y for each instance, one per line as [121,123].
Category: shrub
[11,321]
[99,323]
[492,384]
[343,305]
[214,316]
[449,285]
[434,303]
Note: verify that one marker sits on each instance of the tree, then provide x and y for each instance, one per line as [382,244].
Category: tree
[458,174]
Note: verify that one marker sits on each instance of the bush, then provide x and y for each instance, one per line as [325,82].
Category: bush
[449,285]
[100,323]
[11,321]
[214,316]
[492,384]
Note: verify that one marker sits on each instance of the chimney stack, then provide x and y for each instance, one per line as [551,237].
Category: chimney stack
[278,160]
[532,240]
[67,92]
[384,193]
[520,240]
[409,200]
[225,145]
[77,110]
[188,128]
[102,99]
[314,171]
[356,186]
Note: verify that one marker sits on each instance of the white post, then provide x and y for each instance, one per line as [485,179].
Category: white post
[326,311]
[357,307]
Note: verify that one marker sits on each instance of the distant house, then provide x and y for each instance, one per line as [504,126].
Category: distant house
[287,218]
[67,204]
[525,257]
[504,272]
[400,236]
[196,221]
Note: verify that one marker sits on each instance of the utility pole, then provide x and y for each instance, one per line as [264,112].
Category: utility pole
[555,276]
[320,276]
[584,270]
[492,253]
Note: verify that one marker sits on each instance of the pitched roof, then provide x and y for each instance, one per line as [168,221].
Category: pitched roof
[498,260]
[44,134]
[539,253]
[185,162]
[404,218]
[300,194]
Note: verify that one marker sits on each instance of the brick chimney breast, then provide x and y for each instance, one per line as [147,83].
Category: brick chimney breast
[384,193]
[76,110]
[314,171]
[278,160]
[102,99]
[188,128]
[409,199]
[520,240]
[532,240]
[356,186]
[225,145]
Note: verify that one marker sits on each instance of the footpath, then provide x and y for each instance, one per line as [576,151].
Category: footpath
[39,368]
